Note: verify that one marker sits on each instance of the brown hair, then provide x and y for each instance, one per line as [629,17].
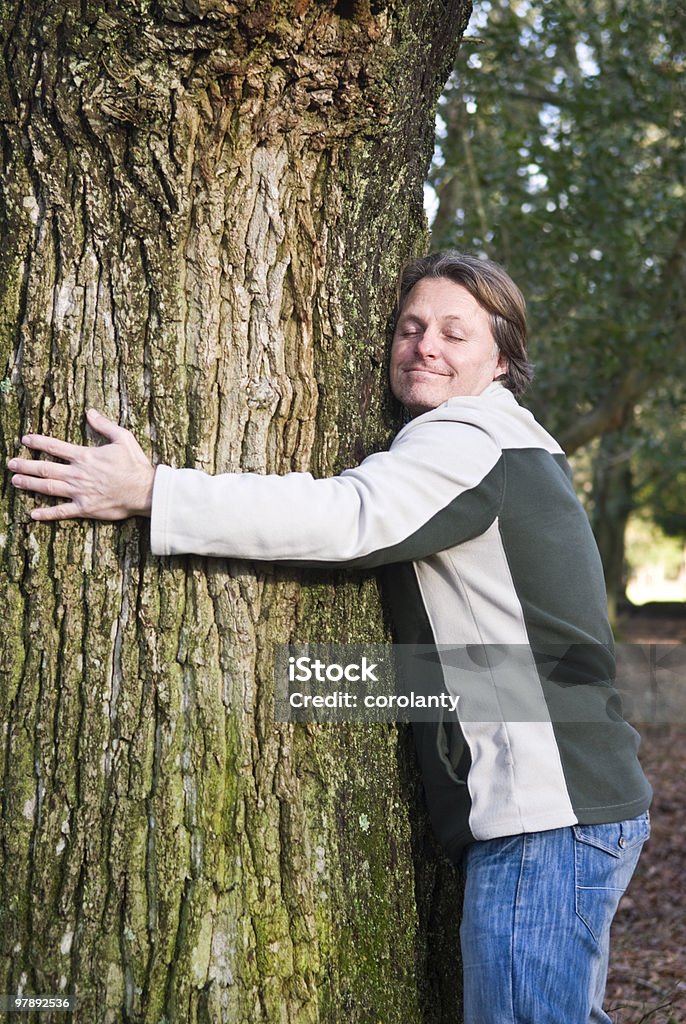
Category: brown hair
[495,291]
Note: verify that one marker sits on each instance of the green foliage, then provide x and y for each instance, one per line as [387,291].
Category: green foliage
[562,154]
[649,545]
[660,463]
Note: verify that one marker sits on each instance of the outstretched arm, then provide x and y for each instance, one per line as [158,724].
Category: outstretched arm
[110,482]
[415,499]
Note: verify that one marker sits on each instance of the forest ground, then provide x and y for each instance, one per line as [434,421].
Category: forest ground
[647,980]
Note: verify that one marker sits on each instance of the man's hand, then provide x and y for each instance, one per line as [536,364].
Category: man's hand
[110,482]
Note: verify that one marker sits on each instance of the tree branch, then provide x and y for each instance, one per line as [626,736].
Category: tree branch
[611,411]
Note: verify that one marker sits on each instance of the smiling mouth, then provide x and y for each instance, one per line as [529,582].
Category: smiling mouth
[424,369]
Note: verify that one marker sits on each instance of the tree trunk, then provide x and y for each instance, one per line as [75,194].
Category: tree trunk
[206,205]
[613,501]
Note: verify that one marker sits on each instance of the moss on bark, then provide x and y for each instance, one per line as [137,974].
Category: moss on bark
[206,206]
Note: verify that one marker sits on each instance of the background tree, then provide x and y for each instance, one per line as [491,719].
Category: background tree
[205,205]
[562,153]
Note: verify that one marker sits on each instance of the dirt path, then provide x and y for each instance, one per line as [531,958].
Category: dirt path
[647,981]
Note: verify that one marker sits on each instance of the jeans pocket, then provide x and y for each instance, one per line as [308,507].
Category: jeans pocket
[605,857]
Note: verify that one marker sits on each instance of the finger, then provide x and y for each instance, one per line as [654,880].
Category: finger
[52,446]
[108,428]
[53,513]
[39,467]
[53,488]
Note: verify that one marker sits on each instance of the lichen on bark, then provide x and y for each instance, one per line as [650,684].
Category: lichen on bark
[205,207]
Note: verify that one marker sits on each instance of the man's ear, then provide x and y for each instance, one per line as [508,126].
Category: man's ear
[502,366]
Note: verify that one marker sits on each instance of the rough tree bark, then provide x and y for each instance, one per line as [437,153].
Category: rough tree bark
[612,503]
[205,207]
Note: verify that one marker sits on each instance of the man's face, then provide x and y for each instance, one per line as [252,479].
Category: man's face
[442,346]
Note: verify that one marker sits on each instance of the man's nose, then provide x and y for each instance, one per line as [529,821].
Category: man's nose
[427,343]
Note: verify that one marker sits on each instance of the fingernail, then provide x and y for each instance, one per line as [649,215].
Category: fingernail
[12,464]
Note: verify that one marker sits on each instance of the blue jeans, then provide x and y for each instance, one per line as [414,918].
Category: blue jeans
[536,922]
